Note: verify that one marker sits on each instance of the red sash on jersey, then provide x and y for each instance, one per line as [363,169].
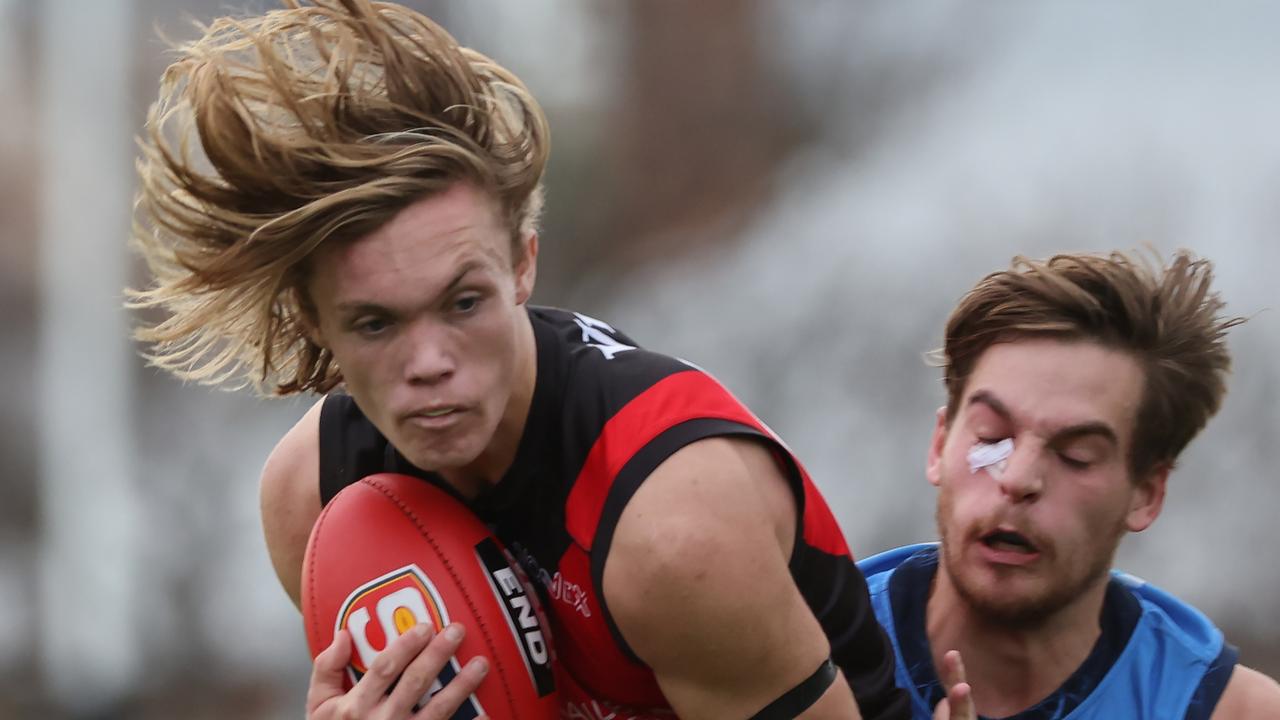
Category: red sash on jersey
[592,665]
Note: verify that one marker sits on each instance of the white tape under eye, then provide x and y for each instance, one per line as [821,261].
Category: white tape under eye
[992,457]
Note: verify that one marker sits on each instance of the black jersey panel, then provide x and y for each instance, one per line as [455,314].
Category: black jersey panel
[596,371]
[350,446]
[836,591]
[1210,689]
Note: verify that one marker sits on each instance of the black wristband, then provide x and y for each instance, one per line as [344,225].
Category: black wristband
[801,697]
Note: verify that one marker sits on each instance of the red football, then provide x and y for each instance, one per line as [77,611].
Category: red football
[392,551]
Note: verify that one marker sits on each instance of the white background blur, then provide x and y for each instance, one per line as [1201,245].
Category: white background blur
[791,194]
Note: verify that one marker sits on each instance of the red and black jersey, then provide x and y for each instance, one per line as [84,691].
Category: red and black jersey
[604,414]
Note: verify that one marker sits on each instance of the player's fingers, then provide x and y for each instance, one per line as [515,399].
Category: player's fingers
[447,701]
[327,671]
[952,669]
[960,700]
[386,667]
[958,704]
[423,670]
[959,693]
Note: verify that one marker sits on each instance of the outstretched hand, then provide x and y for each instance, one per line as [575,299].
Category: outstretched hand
[958,704]
[412,661]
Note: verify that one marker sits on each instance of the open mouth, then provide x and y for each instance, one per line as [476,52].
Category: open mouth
[1008,541]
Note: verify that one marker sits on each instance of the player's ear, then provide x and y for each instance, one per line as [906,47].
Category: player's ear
[526,268]
[933,466]
[1147,498]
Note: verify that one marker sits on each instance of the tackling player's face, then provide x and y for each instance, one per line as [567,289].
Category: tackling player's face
[1024,538]
[425,318]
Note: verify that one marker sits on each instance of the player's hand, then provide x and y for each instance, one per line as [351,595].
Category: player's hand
[412,661]
[958,704]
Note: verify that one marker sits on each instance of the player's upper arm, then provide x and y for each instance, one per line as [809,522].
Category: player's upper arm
[1249,695]
[290,499]
[697,581]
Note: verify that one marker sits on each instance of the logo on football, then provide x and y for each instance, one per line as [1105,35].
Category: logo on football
[387,607]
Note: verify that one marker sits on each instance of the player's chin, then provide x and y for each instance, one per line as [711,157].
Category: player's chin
[1023,600]
[1008,606]
[443,453]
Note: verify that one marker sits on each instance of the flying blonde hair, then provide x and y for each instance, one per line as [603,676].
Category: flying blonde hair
[317,123]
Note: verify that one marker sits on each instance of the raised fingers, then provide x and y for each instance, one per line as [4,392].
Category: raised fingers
[960,698]
[422,672]
[448,700]
[328,671]
[952,668]
[412,662]
[387,666]
[959,701]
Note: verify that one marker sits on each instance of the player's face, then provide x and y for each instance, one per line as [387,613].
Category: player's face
[1023,538]
[425,318]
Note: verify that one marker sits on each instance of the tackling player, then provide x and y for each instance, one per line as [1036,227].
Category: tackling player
[1072,387]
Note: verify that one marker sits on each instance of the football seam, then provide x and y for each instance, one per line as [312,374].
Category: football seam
[457,581]
[311,578]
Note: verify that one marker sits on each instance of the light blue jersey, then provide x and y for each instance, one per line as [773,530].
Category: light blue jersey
[1157,658]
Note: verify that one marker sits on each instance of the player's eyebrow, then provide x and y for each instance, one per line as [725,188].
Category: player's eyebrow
[356,307]
[1085,429]
[1061,435]
[985,397]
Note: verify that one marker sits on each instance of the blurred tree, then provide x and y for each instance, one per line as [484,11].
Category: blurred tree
[19,182]
[711,102]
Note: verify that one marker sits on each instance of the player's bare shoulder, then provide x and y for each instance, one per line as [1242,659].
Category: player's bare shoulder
[290,498]
[708,501]
[700,552]
[1249,695]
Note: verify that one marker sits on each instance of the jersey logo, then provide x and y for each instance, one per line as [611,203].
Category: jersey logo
[523,619]
[598,334]
[570,593]
[387,607]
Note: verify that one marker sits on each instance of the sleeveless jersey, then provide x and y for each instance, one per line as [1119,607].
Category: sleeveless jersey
[604,414]
[1156,658]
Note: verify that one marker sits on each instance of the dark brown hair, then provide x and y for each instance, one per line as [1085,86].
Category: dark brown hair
[1167,318]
